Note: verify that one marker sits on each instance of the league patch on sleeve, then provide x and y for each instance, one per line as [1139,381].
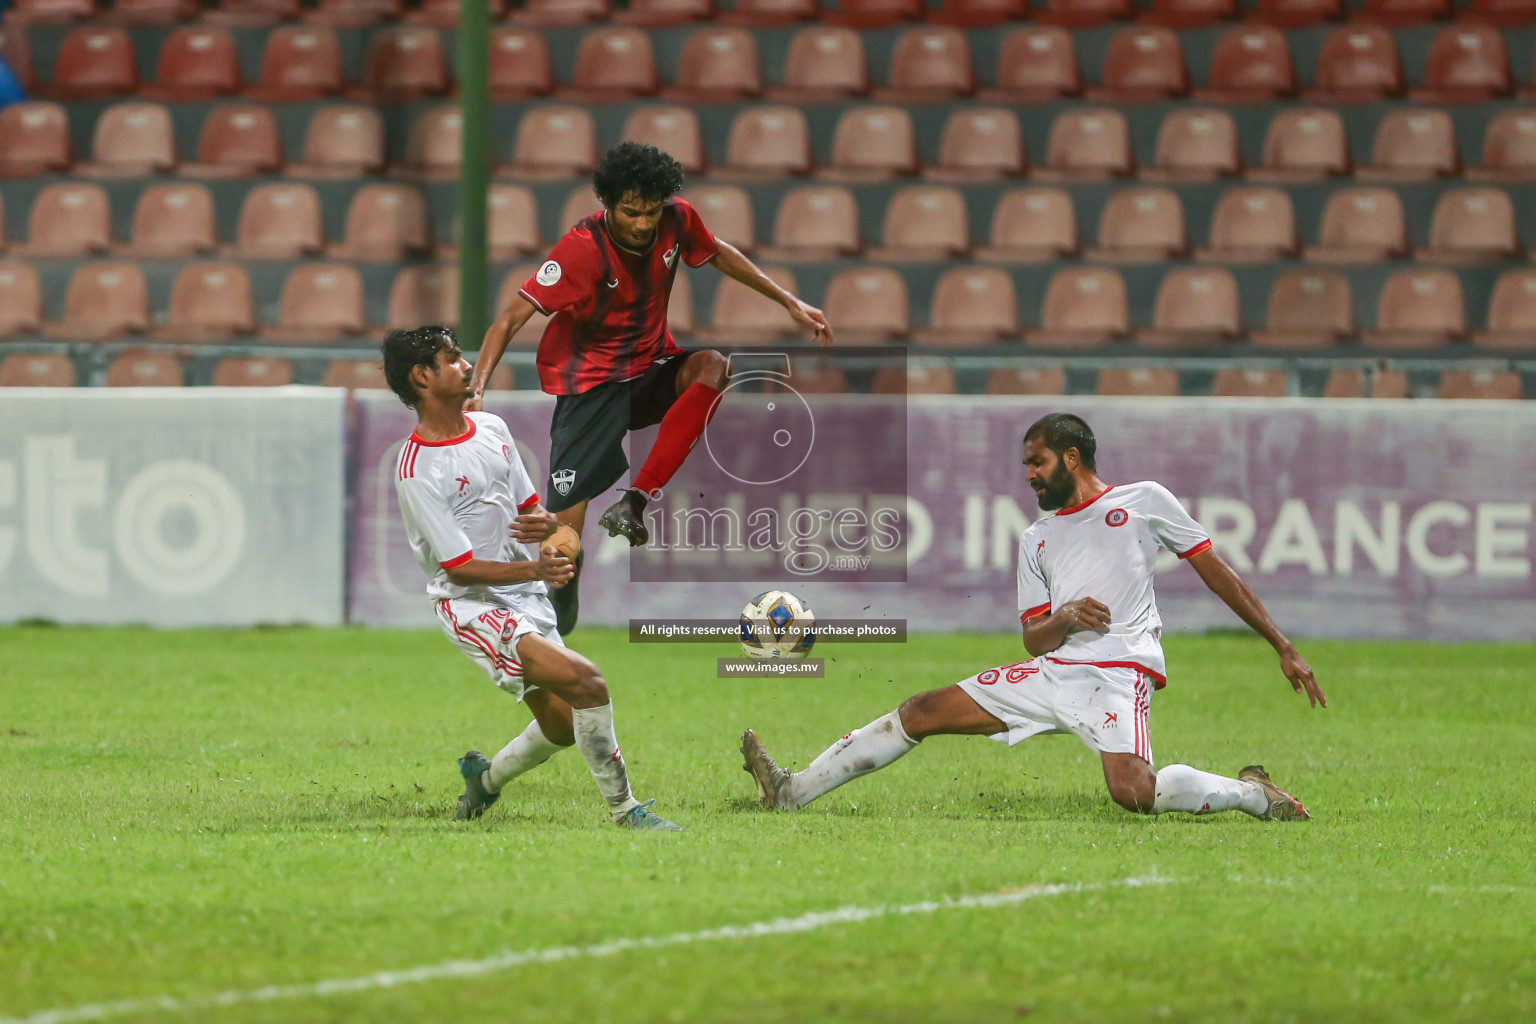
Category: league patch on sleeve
[548,274]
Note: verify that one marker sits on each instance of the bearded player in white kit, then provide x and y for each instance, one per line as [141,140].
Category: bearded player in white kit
[1091,627]
[478,530]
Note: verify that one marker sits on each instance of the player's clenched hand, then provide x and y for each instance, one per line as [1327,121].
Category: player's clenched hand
[1299,673]
[1085,614]
[553,567]
[533,527]
[813,318]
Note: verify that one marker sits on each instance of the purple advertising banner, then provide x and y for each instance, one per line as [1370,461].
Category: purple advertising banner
[1349,518]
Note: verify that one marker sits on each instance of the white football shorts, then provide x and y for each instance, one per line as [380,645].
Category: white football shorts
[1104,706]
[489,634]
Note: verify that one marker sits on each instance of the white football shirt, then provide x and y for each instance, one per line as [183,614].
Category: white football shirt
[459,498]
[1105,549]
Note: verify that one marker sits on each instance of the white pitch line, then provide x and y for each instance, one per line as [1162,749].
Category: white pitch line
[505,961]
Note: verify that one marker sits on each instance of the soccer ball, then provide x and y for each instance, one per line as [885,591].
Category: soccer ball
[777,625]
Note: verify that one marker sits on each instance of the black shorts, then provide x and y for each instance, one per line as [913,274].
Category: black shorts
[586,436]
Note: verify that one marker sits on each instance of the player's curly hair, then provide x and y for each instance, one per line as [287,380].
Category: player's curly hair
[1062,430]
[405,350]
[635,167]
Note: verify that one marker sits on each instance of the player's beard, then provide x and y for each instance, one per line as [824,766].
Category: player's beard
[1058,489]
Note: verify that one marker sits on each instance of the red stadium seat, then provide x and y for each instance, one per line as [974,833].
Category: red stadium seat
[742,316]
[918,377]
[924,223]
[1511,313]
[424,294]
[445,13]
[727,211]
[1297,13]
[520,65]
[68,220]
[665,12]
[1032,225]
[50,11]
[21,299]
[16,51]
[385,223]
[342,142]
[824,63]
[433,150]
[928,65]
[1467,63]
[299,63]
[406,63]
[153,12]
[873,142]
[868,304]
[873,13]
[132,140]
[1413,144]
[1505,12]
[1303,144]
[560,12]
[94,62]
[1195,144]
[1390,384]
[770,12]
[172,222]
[1418,309]
[671,129]
[196,63]
[579,205]
[1361,225]
[1140,381]
[1088,143]
[1509,148]
[1251,64]
[1252,225]
[1232,382]
[251,12]
[1357,64]
[1141,225]
[613,64]
[355,13]
[34,139]
[1143,64]
[554,142]
[1472,225]
[1194,306]
[1035,65]
[1084,307]
[1027,380]
[279,222]
[104,300]
[512,223]
[1308,309]
[1482,383]
[210,302]
[237,140]
[249,372]
[817,222]
[717,64]
[352,374]
[1083,13]
[971,306]
[1404,12]
[1189,13]
[815,376]
[36,370]
[768,141]
[321,302]
[137,368]
[979,144]
[979,13]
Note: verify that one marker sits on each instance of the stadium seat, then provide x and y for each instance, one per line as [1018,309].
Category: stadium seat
[1031,225]
[929,65]
[741,316]
[320,302]
[137,368]
[95,62]
[1084,307]
[868,305]
[816,222]
[36,370]
[1418,309]
[1142,64]
[654,13]
[520,65]
[406,63]
[1195,144]
[1344,383]
[717,65]
[1505,12]
[672,129]
[1297,13]
[299,63]
[1412,145]
[16,51]
[1252,225]
[172,222]
[103,300]
[816,376]
[385,223]
[209,302]
[1086,144]
[1083,13]
[34,139]
[1509,148]
[1511,313]
[767,142]
[237,140]
[556,13]
[424,294]
[445,13]
[1035,65]
[1361,225]
[1357,64]
[580,204]
[1139,381]
[872,142]
[50,11]
[279,222]
[356,13]
[1403,12]
[1382,383]
[196,63]
[1467,63]
[1250,64]
[1141,225]
[1308,309]
[1189,13]
[1482,383]
[613,64]
[352,374]
[247,13]
[1235,382]
[979,13]
[727,212]
[1027,380]
[131,140]
[512,224]
[68,220]
[918,377]
[924,223]
[971,306]
[252,372]
[433,149]
[21,299]
[770,12]
[1194,306]
[342,142]
[978,144]
[824,63]
[554,142]
[1303,144]
[1472,225]
[873,13]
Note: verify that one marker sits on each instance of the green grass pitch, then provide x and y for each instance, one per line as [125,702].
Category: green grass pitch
[189,813]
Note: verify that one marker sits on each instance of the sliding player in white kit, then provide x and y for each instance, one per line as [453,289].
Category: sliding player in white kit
[1091,627]
[475,523]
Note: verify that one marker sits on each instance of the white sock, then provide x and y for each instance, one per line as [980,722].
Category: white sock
[597,743]
[859,753]
[1182,788]
[526,752]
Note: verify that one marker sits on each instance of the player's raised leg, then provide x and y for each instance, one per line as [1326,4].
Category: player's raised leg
[947,712]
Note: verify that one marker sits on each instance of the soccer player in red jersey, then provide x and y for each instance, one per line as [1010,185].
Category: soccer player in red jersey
[606,351]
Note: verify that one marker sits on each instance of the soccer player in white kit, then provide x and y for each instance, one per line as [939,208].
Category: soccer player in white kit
[477,528]
[1091,627]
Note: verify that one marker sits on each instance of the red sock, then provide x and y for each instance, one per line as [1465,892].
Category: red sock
[681,429]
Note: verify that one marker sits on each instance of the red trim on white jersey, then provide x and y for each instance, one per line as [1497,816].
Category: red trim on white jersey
[1082,505]
[1161,680]
[525,506]
[501,661]
[452,440]
[1204,545]
[454,563]
[1143,704]
[408,460]
[1039,609]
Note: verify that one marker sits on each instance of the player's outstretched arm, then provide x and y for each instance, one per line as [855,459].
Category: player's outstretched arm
[552,567]
[1044,633]
[730,262]
[497,336]
[1226,584]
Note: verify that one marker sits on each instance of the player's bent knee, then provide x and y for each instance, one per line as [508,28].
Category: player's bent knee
[1135,795]
[589,689]
[919,715]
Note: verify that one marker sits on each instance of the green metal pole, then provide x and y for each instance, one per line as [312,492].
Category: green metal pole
[474,110]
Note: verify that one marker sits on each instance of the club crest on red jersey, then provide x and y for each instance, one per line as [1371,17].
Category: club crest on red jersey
[1116,517]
